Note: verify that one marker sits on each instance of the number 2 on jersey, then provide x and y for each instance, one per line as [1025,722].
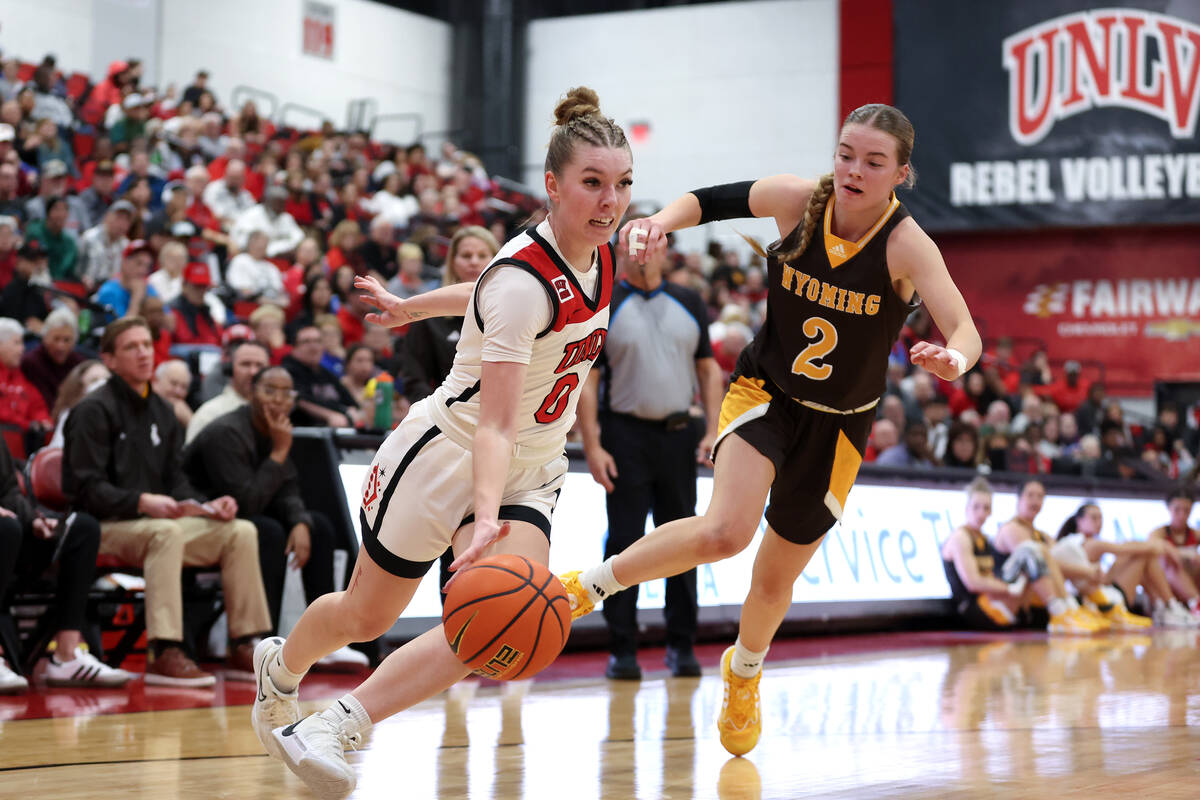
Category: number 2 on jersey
[556,401]
[826,339]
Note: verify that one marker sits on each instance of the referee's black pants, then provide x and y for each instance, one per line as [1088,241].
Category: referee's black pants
[656,472]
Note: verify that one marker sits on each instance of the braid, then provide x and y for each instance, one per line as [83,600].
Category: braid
[812,217]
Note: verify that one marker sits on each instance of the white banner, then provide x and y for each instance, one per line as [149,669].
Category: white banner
[887,546]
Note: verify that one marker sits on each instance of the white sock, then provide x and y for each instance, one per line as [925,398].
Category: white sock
[746,663]
[1194,603]
[349,714]
[1058,606]
[284,679]
[599,581]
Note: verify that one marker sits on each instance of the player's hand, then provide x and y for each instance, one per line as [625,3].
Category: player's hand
[486,534]
[5,513]
[391,308]
[704,449]
[299,544]
[643,239]
[935,359]
[603,467]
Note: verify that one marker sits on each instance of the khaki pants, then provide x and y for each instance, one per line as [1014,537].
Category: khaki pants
[162,547]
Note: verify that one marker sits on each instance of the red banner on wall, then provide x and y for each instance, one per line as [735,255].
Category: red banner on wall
[1127,299]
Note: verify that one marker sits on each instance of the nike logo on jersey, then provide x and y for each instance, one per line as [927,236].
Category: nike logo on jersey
[586,349]
[828,295]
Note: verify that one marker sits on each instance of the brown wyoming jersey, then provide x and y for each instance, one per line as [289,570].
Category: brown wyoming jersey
[832,317]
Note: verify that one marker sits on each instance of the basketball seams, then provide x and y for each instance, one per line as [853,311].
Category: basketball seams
[530,632]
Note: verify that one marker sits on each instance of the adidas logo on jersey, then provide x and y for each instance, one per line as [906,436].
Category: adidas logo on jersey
[838,250]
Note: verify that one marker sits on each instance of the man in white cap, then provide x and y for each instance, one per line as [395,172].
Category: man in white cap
[100,248]
[54,180]
[133,124]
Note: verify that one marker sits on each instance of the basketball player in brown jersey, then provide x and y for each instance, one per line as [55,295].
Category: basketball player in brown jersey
[985,596]
[849,267]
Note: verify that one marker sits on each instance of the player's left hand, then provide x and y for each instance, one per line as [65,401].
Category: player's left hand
[704,449]
[934,358]
[486,534]
[391,308]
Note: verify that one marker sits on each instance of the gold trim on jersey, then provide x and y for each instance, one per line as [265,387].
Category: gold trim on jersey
[1034,534]
[841,250]
[846,461]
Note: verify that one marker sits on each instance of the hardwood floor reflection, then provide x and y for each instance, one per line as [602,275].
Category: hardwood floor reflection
[1059,717]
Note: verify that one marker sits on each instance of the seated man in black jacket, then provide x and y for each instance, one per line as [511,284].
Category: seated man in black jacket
[122,465]
[245,454]
[30,541]
[321,398]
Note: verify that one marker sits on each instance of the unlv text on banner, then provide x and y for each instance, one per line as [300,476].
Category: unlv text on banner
[1092,59]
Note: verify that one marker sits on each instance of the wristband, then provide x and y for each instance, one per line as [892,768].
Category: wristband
[960,360]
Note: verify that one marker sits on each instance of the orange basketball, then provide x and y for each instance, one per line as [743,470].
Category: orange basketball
[506,617]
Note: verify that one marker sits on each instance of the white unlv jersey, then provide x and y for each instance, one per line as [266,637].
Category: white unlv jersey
[562,353]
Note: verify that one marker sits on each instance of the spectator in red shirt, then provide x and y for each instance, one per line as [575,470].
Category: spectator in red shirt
[1069,391]
[155,314]
[21,403]
[883,435]
[343,245]
[194,323]
[1001,359]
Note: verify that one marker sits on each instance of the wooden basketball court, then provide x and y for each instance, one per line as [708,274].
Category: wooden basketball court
[897,715]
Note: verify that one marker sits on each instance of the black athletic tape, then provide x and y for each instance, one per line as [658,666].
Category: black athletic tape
[724,201]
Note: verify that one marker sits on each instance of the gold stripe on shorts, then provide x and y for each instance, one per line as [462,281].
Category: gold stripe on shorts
[744,395]
[846,461]
[996,612]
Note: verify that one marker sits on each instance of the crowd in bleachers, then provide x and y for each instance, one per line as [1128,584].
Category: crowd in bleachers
[219,227]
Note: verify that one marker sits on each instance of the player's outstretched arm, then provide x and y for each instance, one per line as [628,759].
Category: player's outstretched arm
[913,256]
[448,301]
[783,197]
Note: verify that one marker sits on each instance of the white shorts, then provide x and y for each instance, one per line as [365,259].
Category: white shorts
[421,490]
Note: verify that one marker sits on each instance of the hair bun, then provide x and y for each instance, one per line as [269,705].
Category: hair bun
[579,102]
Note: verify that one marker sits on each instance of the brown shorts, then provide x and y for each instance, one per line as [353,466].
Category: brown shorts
[816,455]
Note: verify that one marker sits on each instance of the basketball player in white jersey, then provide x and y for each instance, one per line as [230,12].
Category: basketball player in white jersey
[478,464]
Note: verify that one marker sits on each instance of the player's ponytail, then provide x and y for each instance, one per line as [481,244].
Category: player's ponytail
[577,118]
[788,249]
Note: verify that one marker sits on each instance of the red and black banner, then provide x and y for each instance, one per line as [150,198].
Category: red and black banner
[1050,113]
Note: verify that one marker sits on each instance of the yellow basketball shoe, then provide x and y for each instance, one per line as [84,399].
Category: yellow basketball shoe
[1098,618]
[740,722]
[1123,619]
[1072,622]
[581,602]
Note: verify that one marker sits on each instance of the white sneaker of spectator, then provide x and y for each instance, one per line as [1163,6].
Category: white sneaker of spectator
[85,670]
[344,659]
[11,682]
